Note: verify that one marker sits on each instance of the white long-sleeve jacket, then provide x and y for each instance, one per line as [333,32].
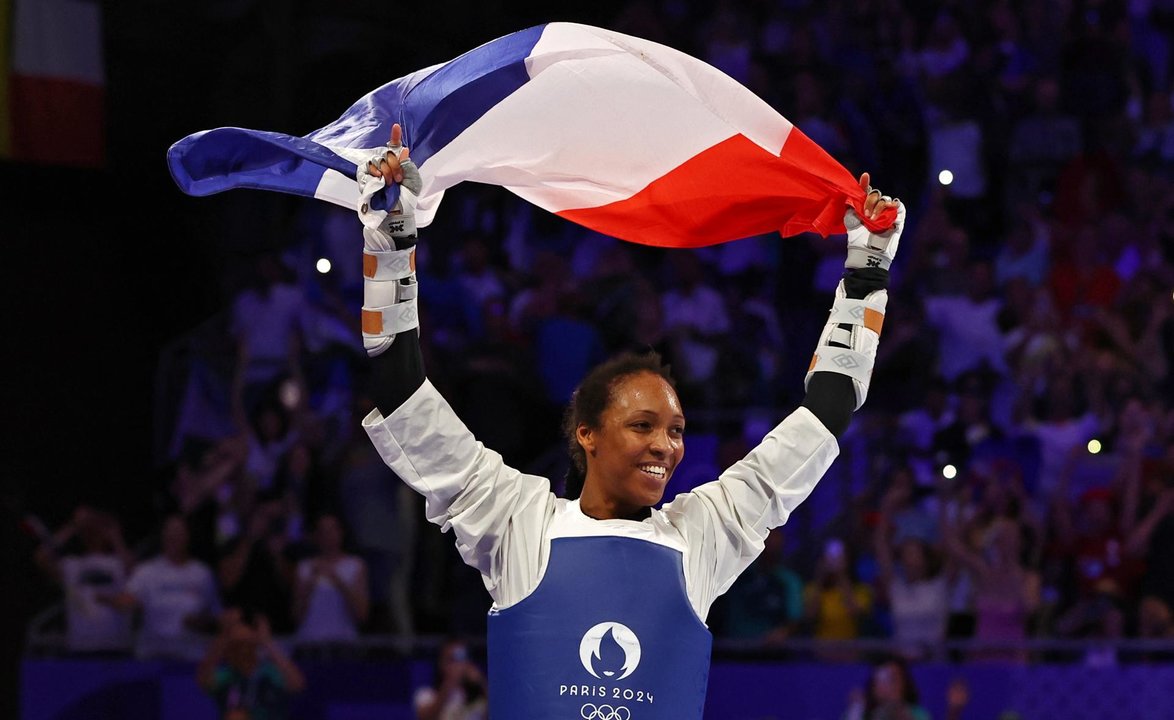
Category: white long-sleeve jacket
[504,520]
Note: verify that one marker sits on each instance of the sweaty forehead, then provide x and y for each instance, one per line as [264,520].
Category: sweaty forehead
[645,391]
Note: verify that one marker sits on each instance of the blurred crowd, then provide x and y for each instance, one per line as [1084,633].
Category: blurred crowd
[1011,475]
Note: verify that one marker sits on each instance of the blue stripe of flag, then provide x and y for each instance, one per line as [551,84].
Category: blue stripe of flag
[434,106]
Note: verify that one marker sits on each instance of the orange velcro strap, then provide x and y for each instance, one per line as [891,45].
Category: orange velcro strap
[874,320]
[814,360]
[388,264]
[372,322]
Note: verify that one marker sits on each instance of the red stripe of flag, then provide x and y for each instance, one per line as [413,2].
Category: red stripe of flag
[735,189]
[57,121]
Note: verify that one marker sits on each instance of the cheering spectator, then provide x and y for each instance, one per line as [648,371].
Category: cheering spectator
[911,582]
[834,603]
[968,329]
[91,577]
[176,596]
[255,571]
[766,602]
[248,674]
[267,323]
[331,602]
[459,691]
[696,319]
[889,695]
[1006,592]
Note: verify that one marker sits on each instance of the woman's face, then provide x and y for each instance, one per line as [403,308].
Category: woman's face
[888,684]
[328,534]
[913,559]
[638,444]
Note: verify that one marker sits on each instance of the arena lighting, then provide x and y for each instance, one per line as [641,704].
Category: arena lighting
[1094,446]
[323,265]
[290,394]
[945,177]
[949,472]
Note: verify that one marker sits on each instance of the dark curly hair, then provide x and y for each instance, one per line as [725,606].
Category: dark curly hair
[592,398]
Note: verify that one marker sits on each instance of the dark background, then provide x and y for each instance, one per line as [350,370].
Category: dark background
[103,268]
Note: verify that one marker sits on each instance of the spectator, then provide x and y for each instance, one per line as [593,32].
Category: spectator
[272,429]
[267,320]
[911,582]
[1086,280]
[766,601]
[1042,143]
[480,279]
[382,517]
[331,601]
[1155,137]
[255,572]
[1148,504]
[890,694]
[835,604]
[695,318]
[973,425]
[968,329]
[176,596]
[248,674]
[1006,592]
[946,49]
[459,689]
[932,414]
[1155,621]
[91,576]
[1025,254]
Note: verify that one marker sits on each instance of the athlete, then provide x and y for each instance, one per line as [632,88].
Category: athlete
[599,598]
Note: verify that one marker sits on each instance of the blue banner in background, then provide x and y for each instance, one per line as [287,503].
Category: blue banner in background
[381,690]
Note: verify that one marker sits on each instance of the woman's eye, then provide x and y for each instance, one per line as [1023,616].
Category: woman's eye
[642,425]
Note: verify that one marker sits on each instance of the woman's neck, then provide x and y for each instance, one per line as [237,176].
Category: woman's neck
[596,505]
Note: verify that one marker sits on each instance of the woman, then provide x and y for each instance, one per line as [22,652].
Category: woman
[836,605]
[247,673]
[916,590]
[459,692]
[90,577]
[331,601]
[1006,592]
[890,695]
[600,599]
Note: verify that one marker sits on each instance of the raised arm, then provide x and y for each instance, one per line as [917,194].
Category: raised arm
[496,512]
[726,522]
[882,537]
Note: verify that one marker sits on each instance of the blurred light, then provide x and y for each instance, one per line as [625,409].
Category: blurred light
[949,472]
[1094,446]
[945,177]
[323,265]
[290,394]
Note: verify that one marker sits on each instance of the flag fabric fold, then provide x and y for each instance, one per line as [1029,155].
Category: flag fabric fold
[622,135]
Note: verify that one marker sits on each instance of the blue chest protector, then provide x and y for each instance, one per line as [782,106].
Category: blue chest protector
[608,635]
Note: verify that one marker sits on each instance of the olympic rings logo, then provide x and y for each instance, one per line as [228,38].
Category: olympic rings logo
[604,712]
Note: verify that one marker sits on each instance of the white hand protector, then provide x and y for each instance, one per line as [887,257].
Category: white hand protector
[389,287]
[848,342]
[869,249]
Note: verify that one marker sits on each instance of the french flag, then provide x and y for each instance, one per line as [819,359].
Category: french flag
[625,136]
[53,105]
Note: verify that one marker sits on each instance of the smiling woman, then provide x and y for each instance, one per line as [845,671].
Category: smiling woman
[600,597]
[625,434]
